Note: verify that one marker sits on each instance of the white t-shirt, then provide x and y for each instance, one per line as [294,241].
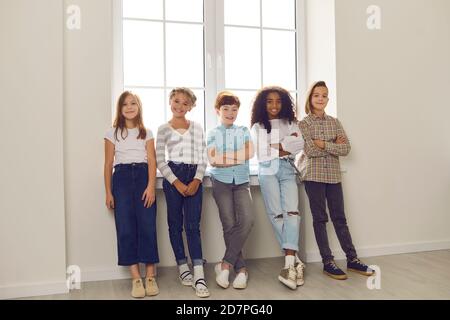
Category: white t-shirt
[131,149]
[281,133]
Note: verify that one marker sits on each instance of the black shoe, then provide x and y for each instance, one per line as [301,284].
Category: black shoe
[332,270]
[356,265]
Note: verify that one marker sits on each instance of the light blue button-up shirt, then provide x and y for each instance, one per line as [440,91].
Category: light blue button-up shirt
[225,139]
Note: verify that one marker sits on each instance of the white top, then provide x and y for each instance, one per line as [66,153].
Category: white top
[188,147]
[131,149]
[281,133]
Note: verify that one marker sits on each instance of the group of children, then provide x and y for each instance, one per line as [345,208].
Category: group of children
[182,154]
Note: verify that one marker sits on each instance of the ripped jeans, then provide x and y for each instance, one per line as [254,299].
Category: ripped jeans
[280,193]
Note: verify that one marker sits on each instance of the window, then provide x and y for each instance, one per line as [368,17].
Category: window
[259,48]
[162,47]
[209,46]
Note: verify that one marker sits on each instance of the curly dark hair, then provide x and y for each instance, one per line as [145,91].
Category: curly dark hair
[259,109]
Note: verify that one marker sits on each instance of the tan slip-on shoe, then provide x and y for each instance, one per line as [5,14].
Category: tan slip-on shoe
[138,290]
[151,287]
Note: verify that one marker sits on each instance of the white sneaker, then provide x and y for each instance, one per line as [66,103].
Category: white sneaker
[222,276]
[200,287]
[300,267]
[186,278]
[240,282]
[288,277]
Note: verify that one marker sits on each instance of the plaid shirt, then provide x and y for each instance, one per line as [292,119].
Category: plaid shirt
[322,165]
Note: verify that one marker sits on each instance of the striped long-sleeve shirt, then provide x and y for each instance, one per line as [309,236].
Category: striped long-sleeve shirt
[322,165]
[188,147]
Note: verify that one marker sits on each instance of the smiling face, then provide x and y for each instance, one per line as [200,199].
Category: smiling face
[319,99]
[227,114]
[180,104]
[130,108]
[273,105]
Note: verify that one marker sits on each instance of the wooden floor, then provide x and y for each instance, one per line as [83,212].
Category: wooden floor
[424,275]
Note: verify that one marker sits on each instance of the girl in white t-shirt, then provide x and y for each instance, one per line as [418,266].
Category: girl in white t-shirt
[130,191]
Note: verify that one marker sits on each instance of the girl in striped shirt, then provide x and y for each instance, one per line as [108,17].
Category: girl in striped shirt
[183,171]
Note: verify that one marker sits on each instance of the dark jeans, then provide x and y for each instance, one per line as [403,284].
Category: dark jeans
[235,211]
[184,210]
[319,193]
[135,224]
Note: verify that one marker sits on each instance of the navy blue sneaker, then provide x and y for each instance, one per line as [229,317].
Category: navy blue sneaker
[356,265]
[332,270]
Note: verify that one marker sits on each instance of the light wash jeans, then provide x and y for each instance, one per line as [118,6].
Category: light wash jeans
[279,189]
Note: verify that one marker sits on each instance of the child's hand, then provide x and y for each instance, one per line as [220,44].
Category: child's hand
[109,201]
[148,197]
[283,153]
[319,143]
[181,187]
[340,140]
[192,187]
[275,146]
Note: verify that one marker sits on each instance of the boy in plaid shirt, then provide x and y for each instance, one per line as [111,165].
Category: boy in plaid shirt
[325,142]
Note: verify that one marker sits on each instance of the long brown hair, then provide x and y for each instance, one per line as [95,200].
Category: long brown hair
[308,104]
[119,121]
[259,109]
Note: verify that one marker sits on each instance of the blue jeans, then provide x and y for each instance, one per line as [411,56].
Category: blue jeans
[135,224]
[278,185]
[184,210]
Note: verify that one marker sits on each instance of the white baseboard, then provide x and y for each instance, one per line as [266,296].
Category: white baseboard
[374,251]
[103,274]
[32,290]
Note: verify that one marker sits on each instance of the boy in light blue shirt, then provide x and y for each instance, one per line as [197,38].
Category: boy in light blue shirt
[229,139]
[229,149]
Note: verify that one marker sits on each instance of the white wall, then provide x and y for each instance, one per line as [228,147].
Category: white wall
[32,243]
[321,48]
[87,101]
[392,87]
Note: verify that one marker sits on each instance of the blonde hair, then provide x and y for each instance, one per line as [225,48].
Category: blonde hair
[119,121]
[308,104]
[188,92]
